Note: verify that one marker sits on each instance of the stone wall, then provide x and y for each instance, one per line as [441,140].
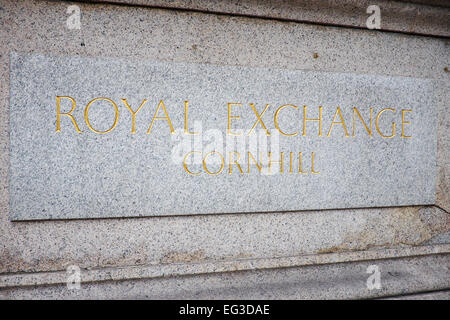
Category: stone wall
[304,254]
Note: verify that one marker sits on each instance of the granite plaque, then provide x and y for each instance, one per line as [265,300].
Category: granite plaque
[111,137]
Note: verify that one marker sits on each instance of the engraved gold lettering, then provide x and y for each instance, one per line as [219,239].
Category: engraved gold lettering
[405,122]
[280,162]
[230,104]
[186,126]
[258,165]
[356,113]
[258,116]
[235,162]
[221,165]
[69,114]
[185,165]
[306,119]
[133,113]
[300,164]
[290,162]
[338,112]
[393,123]
[312,164]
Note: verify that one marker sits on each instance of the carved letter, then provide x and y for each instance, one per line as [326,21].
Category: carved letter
[86,115]
[258,116]
[161,104]
[232,117]
[133,113]
[275,120]
[306,119]
[393,123]
[338,111]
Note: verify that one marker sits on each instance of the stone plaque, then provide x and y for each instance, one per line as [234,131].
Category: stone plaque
[110,137]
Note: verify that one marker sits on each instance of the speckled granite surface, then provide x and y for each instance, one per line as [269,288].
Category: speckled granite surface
[70,174]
